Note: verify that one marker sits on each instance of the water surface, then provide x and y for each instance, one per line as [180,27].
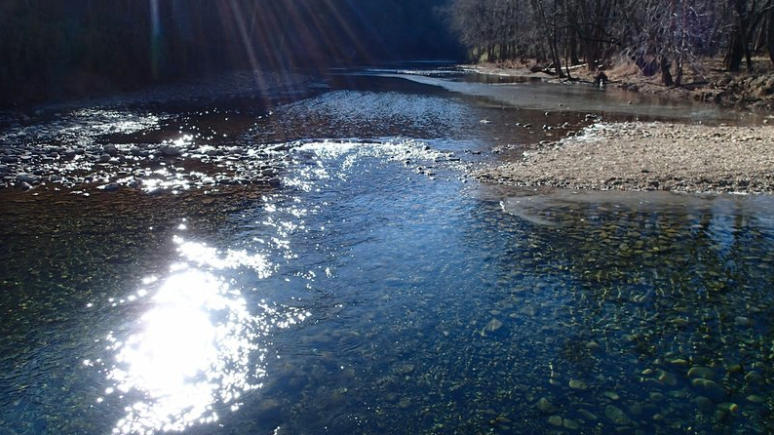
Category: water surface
[380,290]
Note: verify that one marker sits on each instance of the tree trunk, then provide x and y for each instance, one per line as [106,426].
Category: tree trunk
[733,60]
[550,38]
[770,35]
[666,76]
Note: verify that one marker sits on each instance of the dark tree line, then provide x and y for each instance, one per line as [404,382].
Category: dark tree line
[51,48]
[662,36]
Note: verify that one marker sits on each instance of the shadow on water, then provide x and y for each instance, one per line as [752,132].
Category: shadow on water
[378,290]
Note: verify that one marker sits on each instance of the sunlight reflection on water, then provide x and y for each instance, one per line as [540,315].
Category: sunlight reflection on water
[198,349]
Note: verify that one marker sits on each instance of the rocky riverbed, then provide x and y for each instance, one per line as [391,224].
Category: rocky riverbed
[649,156]
[133,141]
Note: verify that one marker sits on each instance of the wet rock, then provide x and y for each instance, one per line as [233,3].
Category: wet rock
[545,406]
[578,385]
[667,378]
[755,399]
[555,420]
[592,345]
[27,178]
[743,322]
[729,408]
[677,361]
[170,151]
[111,150]
[493,326]
[753,378]
[274,182]
[587,415]
[407,369]
[616,415]
[709,388]
[701,372]
[570,424]
[9,159]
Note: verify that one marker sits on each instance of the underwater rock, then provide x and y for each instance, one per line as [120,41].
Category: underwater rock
[729,408]
[570,424]
[545,406]
[701,372]
[170,151]
[589,416]
[703,404]
[492,326]
[743,321]
[753,378]
[407,369]
[709,388]
[667,378]
[578,385]
[755,399]
[616,415]
[555,420]
[27,178]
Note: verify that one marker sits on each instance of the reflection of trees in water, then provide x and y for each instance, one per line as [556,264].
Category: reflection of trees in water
[642,291]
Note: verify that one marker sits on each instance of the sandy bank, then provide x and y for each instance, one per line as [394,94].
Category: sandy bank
[649,156]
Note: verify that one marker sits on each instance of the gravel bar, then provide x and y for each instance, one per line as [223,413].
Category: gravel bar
[649,156]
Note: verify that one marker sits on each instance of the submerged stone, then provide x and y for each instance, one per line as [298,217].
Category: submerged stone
[616,415]
[545,406]
[570,424]
[709,388]
[492,326]
[701,372]
[743,321]
[578,385]
[753,378]
[729,408]
[703,404]
[555,420]
[587,415]
[755,399]
[667,378]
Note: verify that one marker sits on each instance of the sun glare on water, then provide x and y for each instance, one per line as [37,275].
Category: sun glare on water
[196,351]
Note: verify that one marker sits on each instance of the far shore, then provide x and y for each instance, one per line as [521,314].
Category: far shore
[649,156]
[708,84]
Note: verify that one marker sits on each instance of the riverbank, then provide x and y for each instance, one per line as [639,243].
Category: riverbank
[708,83]
[649,156]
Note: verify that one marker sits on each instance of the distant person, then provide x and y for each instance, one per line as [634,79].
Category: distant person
[601,79]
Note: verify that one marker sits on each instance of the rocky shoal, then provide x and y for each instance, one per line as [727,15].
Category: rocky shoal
[649,156]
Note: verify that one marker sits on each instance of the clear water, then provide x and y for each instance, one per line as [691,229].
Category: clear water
[380,290]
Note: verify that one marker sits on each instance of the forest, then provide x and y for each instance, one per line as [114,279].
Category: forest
[53,49]
[664,37]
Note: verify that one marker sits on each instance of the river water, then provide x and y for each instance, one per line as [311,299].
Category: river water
[379,289]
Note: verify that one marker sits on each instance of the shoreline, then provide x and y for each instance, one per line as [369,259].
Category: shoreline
[738,90]
[648,156]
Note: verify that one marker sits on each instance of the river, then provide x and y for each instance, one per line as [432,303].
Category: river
[378,288]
